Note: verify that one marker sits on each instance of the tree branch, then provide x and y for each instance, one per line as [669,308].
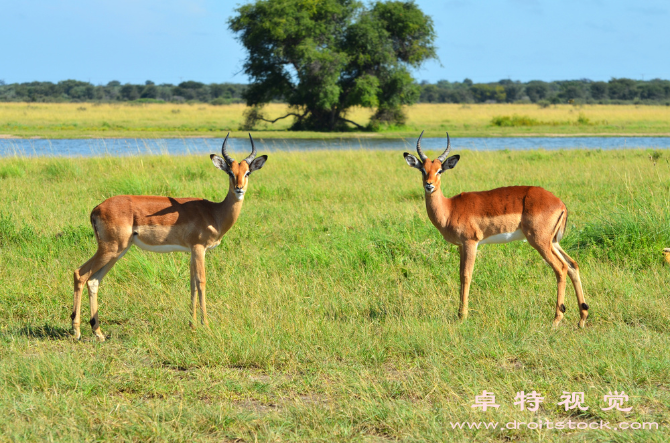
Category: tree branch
[277,119]
[353,123]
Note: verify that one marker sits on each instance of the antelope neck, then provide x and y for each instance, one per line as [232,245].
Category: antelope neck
[228,210]
[438,207]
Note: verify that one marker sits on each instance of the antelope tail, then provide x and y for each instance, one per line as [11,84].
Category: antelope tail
[559,230]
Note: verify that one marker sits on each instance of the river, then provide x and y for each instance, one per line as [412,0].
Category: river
[182,146]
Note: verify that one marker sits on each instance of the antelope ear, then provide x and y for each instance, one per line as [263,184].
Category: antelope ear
[257,163]
[412,161]
[450,162]
[219,163]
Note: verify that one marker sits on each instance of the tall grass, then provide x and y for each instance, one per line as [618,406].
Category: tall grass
[333,304]
[635,236]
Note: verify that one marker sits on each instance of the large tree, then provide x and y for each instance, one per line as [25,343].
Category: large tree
[325,56]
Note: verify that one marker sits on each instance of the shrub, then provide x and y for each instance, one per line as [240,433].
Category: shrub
[583,120]
[515,120]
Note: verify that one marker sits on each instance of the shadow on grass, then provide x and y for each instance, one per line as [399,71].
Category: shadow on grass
[46,332]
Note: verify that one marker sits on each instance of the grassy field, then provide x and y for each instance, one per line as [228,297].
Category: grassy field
[84,120]
[333,304]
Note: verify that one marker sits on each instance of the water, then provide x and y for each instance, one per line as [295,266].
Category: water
[181,146]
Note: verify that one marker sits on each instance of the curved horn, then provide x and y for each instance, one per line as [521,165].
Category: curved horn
[443,156]
[225,155]
[422,156]
[252,156]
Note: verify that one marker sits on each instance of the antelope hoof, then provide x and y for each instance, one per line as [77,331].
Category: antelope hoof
[99,335]
[76,334]
[559,315]
[581,323]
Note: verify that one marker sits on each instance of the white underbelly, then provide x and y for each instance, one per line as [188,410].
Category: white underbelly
[159,248]
[505,237]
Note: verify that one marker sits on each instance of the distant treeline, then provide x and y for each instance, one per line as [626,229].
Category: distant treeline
[615,91]
[114,91]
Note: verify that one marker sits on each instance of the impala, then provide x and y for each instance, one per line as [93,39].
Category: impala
[498,216]
[163,224]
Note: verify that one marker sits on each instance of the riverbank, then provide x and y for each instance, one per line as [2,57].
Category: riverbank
[90,120]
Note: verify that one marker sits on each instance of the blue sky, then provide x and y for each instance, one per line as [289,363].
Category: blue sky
[170,41]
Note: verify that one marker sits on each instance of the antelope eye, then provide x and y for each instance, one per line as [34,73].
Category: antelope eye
[247,174]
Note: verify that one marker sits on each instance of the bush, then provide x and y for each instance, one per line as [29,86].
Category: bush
[515,120]
[583,120]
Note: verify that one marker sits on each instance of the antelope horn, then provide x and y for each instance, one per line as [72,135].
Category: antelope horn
[225,155]
[252,156]
[443,156]
[422,156]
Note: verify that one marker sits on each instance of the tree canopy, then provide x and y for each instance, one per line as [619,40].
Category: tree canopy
[324,56]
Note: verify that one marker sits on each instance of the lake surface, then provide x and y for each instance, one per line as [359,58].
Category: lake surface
[181,146]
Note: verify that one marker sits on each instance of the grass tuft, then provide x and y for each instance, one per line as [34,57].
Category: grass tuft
[60,169]
[9,171]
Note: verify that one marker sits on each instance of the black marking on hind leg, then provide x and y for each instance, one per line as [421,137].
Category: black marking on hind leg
[557,234]
[92,322]
[562,308]
[74,314]
[585,306]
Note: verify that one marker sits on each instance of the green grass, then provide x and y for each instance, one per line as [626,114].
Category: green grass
[333,304]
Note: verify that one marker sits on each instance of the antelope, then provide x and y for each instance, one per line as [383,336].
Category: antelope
[500,215]
[163,224]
